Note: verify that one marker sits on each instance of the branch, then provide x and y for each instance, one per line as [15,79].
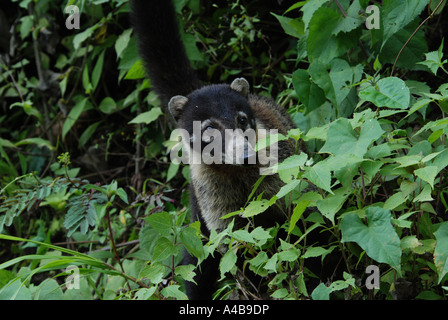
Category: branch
[413,34]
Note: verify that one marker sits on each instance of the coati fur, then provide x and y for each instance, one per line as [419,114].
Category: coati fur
[215,189]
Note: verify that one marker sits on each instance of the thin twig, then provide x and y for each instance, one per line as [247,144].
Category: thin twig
[341,8]
[16,86]
[412,35]
[112,244]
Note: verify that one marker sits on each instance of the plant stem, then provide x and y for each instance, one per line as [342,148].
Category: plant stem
[412,35]
[112,244]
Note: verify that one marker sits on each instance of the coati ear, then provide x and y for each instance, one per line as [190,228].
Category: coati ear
[240,85]
[176,106]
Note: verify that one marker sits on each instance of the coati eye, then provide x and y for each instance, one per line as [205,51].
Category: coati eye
[242,120]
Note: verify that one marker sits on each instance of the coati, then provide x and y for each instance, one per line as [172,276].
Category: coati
[215,189]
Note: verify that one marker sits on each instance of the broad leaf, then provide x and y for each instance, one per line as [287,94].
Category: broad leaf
[378,238]
[342,139]
[308,92]
[160,221]
[192,242]
[397,14]
[164,249]
[173,291]
[441,250]
[434,60]
[320,176]
[388,92]
[427,174]
[332,203]
[147,117]
[227,262]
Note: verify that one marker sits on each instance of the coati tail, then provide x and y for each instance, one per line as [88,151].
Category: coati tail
[162,49]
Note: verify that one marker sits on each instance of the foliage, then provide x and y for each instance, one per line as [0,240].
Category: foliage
[77,138]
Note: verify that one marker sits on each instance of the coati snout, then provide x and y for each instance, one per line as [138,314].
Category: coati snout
[228,146]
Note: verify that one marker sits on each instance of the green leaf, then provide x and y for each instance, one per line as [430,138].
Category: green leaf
[395,200]
[269,140]
[87,134]
[49,289]
[154,272]
[271,264]
[335,82]
[351,21]
[26,26]
[86,83]
[122,41]
[342,139]
[313,252]
[137,71]
[145,293]
[307,91]
[123,195]
[427,174]
[192,242]
[256,207]
[97,70]
[227,262]
[407,187]
[321,27]
[288,188]
[161,221]
[186,272]
[172,171]
[410,160]
[410,242]
[332,204]
[280,293]
[325,32]
[73,116]
[29,109]
[147,117]
[411,54]
[260,235]
[378,238]
[108,105]
[6,143]
[242,235]
[320,176]
[82,36]
[297,213]
[173,291]
[441,250]
[290,255]
[15,290]
[388,92]
[321,292]
[397,14]
[164,249]
[293,27]
[290,167]
[37,141]
[310,8]
[425,195]
[295,6]
[434,60]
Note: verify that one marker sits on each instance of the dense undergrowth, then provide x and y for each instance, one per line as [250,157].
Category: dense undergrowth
[92,208]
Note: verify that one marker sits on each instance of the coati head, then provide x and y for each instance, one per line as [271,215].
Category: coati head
[219,122]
